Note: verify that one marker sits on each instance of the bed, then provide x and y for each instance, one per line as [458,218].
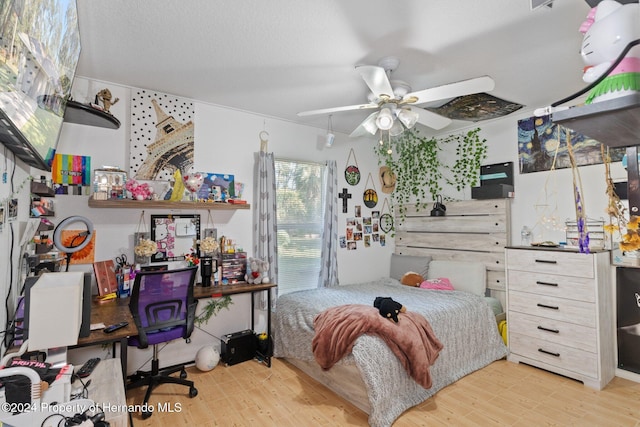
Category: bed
[372,377]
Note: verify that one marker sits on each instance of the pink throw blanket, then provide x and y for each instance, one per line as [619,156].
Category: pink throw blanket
[411,339]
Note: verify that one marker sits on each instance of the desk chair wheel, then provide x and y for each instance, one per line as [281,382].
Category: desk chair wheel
[193,392]
[146,414]
[183,374]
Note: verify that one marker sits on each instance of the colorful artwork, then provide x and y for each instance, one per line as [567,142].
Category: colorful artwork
[70,169]
[165,232]
[543,144]
[476,107]
[218,187]
[85,255]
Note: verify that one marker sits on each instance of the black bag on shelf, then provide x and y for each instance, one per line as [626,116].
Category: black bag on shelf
[439,209]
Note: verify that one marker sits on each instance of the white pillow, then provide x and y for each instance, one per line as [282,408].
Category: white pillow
[468,276]
[401,264]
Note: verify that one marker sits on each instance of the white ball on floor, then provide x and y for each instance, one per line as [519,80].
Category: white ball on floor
[207,358]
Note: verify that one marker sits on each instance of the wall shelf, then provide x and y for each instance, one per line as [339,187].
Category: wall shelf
[614,122]
[84,114]
[164,204]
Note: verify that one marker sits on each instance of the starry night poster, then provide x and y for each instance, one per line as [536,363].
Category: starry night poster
[540,141]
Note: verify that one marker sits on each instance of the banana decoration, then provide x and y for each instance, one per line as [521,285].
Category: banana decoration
[178,187]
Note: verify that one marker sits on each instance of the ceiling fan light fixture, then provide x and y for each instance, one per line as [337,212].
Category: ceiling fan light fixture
[370,126]
[408,117]
[396,129]
[384,121]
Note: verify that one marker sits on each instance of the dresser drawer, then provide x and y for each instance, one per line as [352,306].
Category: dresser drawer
[561,356]
[554,331]
[576,288]
[578,312]
[551,262]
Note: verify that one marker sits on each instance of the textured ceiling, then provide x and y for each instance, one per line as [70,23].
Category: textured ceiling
[280,57]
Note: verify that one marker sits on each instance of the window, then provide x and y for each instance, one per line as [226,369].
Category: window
[299,193]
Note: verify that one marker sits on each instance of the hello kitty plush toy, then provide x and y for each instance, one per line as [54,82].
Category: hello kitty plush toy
[609,27]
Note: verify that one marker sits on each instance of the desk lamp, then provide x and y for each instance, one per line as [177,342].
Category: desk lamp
[73,247]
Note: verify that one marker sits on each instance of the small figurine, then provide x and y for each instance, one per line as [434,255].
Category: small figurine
[105,96]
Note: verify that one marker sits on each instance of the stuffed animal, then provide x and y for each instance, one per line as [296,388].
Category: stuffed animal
[389,308]
[257,271]
[411,278]
[607,30]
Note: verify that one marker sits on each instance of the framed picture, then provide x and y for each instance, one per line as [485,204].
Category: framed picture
[218,187]
[175,236]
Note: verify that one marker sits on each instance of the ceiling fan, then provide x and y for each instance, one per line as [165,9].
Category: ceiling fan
[397,107]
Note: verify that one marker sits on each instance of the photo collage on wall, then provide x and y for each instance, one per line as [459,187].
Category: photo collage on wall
[362,230]
[368,223]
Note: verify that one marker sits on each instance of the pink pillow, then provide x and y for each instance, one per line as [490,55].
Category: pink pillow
[441,283]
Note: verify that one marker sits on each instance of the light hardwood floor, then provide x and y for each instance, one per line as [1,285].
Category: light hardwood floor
[501,394]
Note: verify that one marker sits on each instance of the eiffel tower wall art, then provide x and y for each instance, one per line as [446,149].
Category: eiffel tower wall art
[161,139]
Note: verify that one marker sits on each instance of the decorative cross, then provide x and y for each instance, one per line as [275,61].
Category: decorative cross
[345,196]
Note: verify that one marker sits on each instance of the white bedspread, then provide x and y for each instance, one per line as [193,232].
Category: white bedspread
[463,322]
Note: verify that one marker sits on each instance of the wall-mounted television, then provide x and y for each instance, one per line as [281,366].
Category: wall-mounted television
[39,52]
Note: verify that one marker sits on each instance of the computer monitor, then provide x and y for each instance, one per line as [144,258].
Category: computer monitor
[55,313]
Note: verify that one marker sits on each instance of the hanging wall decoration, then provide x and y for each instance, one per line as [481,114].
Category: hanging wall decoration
[387,179]
[386,220]
[542,143]
[370,196]
[161,135]
[352,172]
[345,196]
[71,169]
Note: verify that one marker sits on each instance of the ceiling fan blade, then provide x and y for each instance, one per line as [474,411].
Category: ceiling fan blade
[432,120]
[337,109]
[367,127]
[376,78]
[451,90]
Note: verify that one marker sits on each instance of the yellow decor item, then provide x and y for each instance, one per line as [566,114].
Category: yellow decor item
[178,187]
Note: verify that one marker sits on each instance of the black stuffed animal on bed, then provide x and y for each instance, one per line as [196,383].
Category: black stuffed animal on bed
[389,308]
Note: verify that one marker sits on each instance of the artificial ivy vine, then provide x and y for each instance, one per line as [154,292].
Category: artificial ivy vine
[214,305]
[419,170]
[470,152]
[414,160]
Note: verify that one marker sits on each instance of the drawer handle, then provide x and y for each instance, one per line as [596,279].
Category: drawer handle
[546,283]
[547,261]
[548,306]
[555,331]
[549,352]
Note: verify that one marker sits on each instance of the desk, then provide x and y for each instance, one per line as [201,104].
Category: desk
[111,312]
[240,288]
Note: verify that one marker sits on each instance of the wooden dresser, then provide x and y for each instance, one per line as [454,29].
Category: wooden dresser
[560,312]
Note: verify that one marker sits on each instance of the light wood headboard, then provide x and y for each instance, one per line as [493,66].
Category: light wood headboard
[472,230]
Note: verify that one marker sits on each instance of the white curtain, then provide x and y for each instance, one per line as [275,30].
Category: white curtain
[329,260]
[265,244]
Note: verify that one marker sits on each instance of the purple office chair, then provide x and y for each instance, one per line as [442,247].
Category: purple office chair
[163,309]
